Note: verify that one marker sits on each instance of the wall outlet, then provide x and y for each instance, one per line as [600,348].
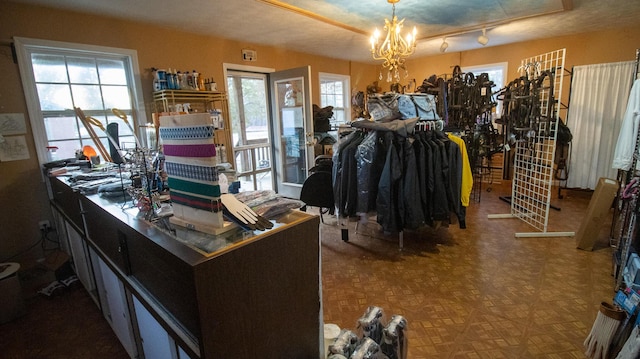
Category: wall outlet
[44,225]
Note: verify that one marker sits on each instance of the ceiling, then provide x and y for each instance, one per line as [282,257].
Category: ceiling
[341,29]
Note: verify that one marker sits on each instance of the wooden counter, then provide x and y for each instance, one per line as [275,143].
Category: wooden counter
[257,296]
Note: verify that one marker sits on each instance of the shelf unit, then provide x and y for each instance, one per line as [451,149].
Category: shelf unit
[200,101]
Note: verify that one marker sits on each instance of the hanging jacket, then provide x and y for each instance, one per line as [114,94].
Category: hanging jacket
[421,168]
[387,200]
[440,210]
[412,214]
[369,167]
[338,170]
[349,178]
[466,184]
[455,182]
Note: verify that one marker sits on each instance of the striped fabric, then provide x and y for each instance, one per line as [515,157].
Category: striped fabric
[190,161]
[206,204]
[187,133]
[200,173]
[196,161]
[208,150]
[202,189]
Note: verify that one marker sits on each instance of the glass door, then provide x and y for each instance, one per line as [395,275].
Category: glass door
[251,128]
[293,139]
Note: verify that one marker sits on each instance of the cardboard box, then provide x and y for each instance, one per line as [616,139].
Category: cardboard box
[597,212]
[58,263]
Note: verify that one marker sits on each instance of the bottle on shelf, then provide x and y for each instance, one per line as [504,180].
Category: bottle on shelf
[170,80]
[176,79]
[189,78]
[194,80]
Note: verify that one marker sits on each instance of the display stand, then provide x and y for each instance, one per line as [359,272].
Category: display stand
[535,150]
[201,101]
[625,214]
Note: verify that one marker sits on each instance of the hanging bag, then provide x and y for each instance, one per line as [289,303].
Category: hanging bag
[383,108]
[422,106]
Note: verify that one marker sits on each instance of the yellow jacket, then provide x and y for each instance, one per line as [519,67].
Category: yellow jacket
[467,176]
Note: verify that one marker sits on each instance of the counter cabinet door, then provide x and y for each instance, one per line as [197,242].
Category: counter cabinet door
[156,342]
[114,306]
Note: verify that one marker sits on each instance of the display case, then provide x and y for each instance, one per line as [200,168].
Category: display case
[200,101]
[246,294]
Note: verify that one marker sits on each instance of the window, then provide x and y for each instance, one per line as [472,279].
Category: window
[58,77]
[334,91]
[497,73]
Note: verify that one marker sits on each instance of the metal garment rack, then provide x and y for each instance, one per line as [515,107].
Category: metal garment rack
[534,153]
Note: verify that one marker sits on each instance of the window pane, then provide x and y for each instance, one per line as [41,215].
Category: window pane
[127,142]
[85,134]
[123,129]
[54,97]
[112,72]
[254,101]
[49,68]
[82,70]
[116,97]
[339,100]
[87,97]
[66,149]
[60,128]
[338,116]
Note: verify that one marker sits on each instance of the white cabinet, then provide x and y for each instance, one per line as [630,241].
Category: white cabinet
[156,342]
[80,259]
[114,304]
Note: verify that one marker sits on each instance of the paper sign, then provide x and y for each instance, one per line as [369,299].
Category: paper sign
[12,124]
[14,148]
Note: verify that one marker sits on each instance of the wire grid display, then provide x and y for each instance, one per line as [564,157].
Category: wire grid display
[534,152]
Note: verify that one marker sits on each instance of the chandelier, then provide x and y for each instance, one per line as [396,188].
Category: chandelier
[394,48]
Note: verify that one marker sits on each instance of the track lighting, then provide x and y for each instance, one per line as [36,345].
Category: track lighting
[483,39]
[444,45]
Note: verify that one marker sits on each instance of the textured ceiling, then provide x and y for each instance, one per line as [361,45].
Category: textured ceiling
[340,28]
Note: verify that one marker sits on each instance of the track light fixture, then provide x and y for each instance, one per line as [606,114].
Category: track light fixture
[444,45]
[483,39]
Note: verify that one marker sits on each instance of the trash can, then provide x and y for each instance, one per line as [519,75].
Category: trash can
[11,300]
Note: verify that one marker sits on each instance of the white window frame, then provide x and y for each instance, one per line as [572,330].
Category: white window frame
[478,69]
[24,48]
[346,85]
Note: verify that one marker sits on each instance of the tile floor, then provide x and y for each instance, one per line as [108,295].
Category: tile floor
[466,293]
[477,292]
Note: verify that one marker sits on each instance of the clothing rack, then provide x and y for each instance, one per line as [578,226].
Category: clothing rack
[393,183]
[429,125]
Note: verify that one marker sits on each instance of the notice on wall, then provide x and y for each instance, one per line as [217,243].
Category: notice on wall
[14,148]
[12,124]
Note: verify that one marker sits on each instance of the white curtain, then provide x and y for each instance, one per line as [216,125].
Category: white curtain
[599,95]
